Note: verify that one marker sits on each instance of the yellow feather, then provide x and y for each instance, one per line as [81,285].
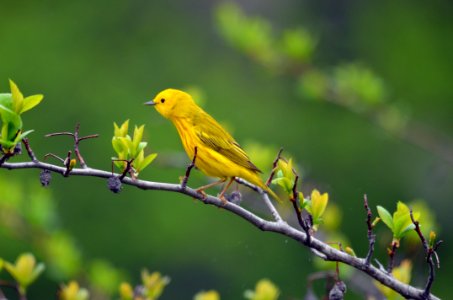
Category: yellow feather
[218,154]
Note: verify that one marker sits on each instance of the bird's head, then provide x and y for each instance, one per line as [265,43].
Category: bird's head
[172,103]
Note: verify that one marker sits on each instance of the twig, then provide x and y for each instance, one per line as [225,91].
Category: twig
[4,158]
[77,140]
[67,164]
[371,236]
[391,252]
[54,156]
[328,253]
[271,207]
[429,255]
[265,197]
[189,168]
[295,201]
[274,167]
[127,169]
[30,152]
[13,286]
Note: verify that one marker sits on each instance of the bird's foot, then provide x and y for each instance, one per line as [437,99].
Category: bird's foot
[224,199]
[203,194]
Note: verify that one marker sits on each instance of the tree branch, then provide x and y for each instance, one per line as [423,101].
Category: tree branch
[320,248]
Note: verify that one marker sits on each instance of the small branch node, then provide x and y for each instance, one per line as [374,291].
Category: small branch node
[430,252]
[392,253]
[189,169]
[30,152]
[77,140]
[274,167]
[371,236]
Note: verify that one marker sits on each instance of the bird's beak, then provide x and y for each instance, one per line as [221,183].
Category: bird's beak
[150,103]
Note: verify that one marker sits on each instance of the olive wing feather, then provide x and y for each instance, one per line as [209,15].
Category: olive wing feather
[212,135]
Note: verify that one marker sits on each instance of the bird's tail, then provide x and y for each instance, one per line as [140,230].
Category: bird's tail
[257,181]
[272,193]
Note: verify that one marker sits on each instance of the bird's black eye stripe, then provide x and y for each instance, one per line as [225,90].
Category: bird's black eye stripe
[162,100]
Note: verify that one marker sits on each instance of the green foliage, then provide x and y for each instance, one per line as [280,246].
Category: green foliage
[401,273]
[400,223]
[12,105]
[130,149]
[154,284]
[284,176]
[65,257]
[126,291]
[208,295]
[426,218]
[104,277]
[314,84]
[298,44]
[358,87]
[25,270]
[350,85]
[73,291]
[264,290]
[250,35]
[28,210]
[317,206]
[263,155]
[332,217]
[254,36]
[432,239]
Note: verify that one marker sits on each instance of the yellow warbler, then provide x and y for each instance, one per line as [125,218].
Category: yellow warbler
[218,154]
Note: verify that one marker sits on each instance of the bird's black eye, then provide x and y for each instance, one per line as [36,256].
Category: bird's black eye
[162,100]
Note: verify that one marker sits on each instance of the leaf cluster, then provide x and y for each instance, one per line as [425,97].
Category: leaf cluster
[12,106]
[130,149]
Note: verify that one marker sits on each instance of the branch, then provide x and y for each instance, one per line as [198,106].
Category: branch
[430,251]
[320,248]
[77,140]
[371,236]
[392,252]
[295,201]
[274,167]
[189,168]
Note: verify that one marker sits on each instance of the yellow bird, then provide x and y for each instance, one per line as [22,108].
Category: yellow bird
[218,154]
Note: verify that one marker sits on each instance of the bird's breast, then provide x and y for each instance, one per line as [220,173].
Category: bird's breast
[187,135]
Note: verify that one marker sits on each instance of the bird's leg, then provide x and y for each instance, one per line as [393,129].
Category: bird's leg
[201,189]
[222,193]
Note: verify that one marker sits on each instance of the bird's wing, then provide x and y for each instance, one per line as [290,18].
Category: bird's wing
[212,135]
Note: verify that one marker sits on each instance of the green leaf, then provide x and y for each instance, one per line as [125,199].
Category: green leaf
[144,162]
[18,98]
[318,203]
[121,131]
[9,116]
[30,102]
[285,183]
[432,240]
[118,145]
[21,136]
[25,270]
[385,217]
[402,222]
[6,100]
[138,136]
[298,44]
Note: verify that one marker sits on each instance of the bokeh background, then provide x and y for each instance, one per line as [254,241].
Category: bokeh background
[96,62]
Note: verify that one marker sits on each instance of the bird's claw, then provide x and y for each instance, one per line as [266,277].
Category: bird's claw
[223,199]
[204,196]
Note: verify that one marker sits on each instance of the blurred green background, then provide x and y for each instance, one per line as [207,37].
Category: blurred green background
[96,62]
